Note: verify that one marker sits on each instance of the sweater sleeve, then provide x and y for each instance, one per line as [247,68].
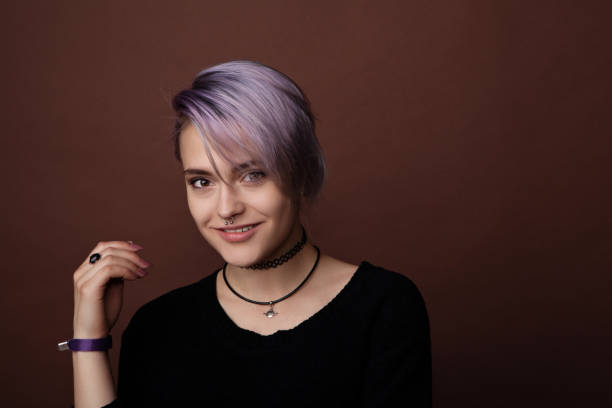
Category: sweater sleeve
[399,363]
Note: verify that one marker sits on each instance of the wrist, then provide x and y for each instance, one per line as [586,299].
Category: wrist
[86,344]
[84,334]
[91,332]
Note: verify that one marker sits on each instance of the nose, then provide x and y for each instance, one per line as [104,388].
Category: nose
[229,203]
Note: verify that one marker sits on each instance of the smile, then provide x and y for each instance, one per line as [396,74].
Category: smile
[239,234]
[240,229]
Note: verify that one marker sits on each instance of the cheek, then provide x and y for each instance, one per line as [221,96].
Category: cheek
[198,208]
[191,204]
[272,204]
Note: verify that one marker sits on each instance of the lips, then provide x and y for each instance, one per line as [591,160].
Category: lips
[236,227]
[239,236]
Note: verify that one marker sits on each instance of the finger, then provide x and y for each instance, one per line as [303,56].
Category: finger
[95,285]
[109,260]
[103,245]
[130,255]
[99,248]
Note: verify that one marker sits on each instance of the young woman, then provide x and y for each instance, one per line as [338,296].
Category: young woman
[281,323]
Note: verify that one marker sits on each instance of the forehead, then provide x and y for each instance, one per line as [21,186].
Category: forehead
[193,152]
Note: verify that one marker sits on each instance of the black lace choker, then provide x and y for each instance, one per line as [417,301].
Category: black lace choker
[281,259]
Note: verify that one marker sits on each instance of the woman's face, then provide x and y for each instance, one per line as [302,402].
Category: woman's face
[250,196]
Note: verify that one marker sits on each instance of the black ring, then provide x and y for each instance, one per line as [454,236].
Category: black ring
[94,258]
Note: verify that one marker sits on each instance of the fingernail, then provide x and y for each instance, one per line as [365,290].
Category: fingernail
[146,264]
[135,245]
[142,272]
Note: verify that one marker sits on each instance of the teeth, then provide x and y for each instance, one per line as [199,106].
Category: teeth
[239,229]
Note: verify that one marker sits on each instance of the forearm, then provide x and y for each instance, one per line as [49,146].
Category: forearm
[93,379]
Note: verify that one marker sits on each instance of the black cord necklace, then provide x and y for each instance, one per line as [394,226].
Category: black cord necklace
[271,312]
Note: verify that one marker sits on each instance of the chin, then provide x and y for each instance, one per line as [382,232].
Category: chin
[240,260]
[239,254]
[237,261]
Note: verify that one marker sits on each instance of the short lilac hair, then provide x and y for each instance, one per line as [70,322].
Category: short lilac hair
[260,111]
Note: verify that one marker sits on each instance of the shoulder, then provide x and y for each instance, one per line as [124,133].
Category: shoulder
[388,282]
[397,305]
[391,295]
[376,277]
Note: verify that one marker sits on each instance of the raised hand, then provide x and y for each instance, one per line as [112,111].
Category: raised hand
[98,287]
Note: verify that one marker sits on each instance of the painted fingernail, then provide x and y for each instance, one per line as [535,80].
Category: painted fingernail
[146,264]
[133,245]
[142,272]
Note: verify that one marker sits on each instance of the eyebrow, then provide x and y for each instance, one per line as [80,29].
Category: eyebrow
[236,169]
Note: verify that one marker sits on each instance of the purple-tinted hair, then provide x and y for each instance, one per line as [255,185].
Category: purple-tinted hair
[260,111]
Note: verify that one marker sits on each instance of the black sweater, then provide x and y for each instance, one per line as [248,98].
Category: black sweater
[369,346]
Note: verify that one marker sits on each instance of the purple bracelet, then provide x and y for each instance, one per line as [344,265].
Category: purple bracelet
[86,344]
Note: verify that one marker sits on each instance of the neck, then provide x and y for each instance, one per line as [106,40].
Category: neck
[273,283]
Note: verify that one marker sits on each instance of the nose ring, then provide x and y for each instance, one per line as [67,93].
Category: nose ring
[231,221]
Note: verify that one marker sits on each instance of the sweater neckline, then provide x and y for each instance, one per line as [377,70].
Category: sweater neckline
[231,334]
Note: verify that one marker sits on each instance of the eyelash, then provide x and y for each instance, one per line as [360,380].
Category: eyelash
[195,179]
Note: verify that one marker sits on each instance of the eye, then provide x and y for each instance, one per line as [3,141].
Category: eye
[254,176]
[198,182]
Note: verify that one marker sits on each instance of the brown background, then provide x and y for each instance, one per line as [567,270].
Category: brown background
[468,144]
